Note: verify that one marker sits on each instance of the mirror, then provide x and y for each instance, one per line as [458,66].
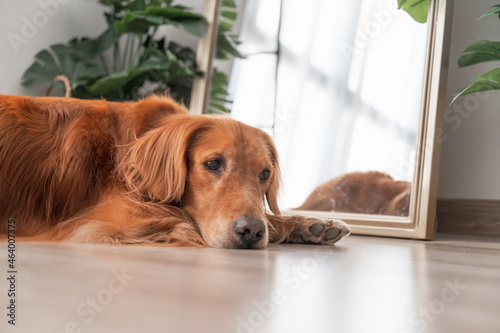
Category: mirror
[352,106]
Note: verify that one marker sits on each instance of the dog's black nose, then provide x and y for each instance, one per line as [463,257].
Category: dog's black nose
[250,230]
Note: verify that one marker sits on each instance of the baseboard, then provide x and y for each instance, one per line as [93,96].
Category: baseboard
[476,217]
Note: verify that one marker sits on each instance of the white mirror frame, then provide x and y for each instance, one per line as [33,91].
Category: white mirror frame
[421,222]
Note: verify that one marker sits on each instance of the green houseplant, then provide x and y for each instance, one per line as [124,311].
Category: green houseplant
[129,60]
[478,52]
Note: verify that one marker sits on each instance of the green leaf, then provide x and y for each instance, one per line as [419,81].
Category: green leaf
[136,22]
[116,81]
[480,51]
[55,61]
[172,13]
[113,82]
[476,58]
[110,2]
[179,70]
[417,9]
[140,21]
[495,10]
[487,81]
[483,45]
[87,49]
[191,22]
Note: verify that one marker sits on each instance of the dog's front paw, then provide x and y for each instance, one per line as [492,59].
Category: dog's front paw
[324,232]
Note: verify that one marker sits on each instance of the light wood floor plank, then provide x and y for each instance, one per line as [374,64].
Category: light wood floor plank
[365,284]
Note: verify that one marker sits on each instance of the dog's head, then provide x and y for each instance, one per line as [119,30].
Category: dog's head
[217,169]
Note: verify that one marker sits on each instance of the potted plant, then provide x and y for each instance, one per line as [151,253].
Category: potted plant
[129,60]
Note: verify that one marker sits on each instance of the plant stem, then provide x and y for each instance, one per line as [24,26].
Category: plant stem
[126,51]
[131,50]
[153,35]
[137,52]
[116,56]
[116,47]
[103,61]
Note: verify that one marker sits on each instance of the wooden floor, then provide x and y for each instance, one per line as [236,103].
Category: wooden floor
[365,284]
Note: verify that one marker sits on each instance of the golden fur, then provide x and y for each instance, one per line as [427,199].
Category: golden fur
[136,173]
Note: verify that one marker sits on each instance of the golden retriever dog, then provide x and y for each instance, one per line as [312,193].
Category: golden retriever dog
[144,172]
[361,192]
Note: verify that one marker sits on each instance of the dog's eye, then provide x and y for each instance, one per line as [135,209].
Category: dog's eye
[213,165]
[264,175]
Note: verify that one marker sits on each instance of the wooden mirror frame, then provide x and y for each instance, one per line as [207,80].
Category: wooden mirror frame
[421,222]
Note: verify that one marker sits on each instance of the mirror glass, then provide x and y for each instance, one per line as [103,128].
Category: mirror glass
[344,104]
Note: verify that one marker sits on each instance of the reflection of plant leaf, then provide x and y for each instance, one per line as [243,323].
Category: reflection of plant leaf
[487,81]
[417,9]
[230,15]
[228,4]
[227,47]
[218,93]
[480,51]
[227,44]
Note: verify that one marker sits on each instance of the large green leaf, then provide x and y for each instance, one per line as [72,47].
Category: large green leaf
[57,60]
[110,2]
[116,81]
[480,51]
[178,70]
[137,22]
[86,49]
[140,21]
[119,5]
[495,10]
[159,65]
[417,9]
[487,81]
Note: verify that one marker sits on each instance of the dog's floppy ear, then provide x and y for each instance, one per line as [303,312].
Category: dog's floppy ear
[155,165]
[274,184]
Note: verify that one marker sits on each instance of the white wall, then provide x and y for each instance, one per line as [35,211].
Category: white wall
[470,163]
[70,18]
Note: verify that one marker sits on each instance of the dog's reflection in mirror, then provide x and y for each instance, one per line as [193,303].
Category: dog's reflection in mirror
[361,192]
